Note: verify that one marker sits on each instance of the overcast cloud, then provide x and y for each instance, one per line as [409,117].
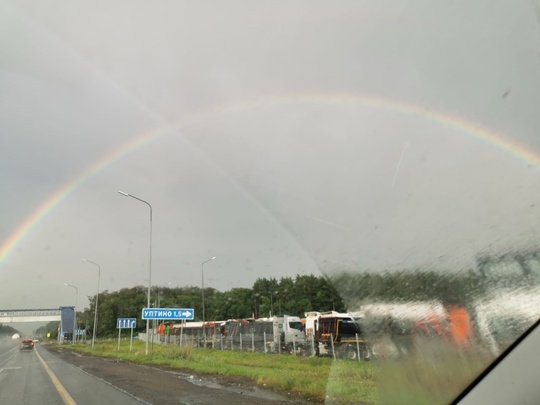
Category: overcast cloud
[296,178]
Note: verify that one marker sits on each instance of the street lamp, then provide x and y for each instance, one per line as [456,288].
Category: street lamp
[256,312]
[150,261]
[97,299]
[159,306]
[74,312]
[158,294]
[202,277]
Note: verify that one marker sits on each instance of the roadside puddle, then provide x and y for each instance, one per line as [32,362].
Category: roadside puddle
[247,391]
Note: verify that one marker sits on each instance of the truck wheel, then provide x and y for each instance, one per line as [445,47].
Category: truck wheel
[289,349]
[351,353]
[365,353]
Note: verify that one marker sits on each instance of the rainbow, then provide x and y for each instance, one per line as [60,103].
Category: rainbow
[142,140]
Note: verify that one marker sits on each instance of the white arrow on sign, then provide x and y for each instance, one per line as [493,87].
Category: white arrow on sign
[186,313]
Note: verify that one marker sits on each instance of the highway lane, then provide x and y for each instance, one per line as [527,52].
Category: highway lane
[23,379]
[38,377]
[6,345]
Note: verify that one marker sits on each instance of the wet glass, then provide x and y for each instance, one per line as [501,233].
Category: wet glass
[392,148]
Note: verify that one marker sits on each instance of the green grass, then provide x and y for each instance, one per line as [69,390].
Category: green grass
[434,376]
[317,378]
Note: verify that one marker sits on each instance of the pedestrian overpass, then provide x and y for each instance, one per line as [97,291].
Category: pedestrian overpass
[66,316]
[31,315]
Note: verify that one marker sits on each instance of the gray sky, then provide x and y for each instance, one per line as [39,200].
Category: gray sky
[273,159]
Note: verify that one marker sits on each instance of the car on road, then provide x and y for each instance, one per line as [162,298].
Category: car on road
[26,344]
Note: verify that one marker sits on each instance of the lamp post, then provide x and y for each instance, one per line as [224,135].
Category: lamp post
[74,312]
[256,312]
[285,295]
[97,299]
[158,306]
[158,294]
[202,278]
[150,261]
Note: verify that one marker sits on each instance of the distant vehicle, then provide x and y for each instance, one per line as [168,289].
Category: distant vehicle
[15,336]
[26,344]
[283,333]
[289,332]
[194,331]
[337,332]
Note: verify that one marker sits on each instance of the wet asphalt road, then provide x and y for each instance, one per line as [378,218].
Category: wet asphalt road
[59,376]
[25,379]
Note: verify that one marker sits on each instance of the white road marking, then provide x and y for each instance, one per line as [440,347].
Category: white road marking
[9,368]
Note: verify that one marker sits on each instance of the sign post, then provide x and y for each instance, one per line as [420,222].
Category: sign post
[126,323]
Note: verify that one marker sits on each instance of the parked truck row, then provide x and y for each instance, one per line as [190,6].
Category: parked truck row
[320,334]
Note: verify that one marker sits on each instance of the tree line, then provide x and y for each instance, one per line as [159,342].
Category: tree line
[7,330]
[343,291]
[267,297]
[491,274]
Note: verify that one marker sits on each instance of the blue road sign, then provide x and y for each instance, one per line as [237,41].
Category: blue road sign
[126,323]
[168,313]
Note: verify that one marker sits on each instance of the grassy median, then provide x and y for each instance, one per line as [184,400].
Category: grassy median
[317,378]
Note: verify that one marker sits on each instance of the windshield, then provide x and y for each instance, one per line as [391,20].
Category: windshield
[347,327]
[296,325]
[374,159]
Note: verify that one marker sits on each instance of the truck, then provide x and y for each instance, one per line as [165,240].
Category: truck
[279,333]
[289,334]
[337,334]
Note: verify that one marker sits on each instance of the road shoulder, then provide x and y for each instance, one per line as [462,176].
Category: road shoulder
[164,385]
